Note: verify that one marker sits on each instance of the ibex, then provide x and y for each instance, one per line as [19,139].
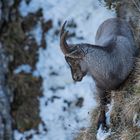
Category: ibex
[109,62]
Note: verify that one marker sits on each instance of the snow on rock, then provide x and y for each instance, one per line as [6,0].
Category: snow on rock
[110,106]
[65,107]
[102,135]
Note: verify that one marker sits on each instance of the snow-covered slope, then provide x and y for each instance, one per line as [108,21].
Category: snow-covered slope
[65,107]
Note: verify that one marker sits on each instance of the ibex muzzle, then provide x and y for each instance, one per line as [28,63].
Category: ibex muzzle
[109,62]
[76,70]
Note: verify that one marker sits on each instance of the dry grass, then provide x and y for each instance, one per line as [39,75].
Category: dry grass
[136,4]
[126,110]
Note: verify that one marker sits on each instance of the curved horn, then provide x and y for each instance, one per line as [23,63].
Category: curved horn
[63,43]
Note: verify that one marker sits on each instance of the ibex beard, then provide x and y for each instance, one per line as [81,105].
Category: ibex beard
[109,62]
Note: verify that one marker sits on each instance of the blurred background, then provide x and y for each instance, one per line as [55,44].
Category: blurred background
[38,98]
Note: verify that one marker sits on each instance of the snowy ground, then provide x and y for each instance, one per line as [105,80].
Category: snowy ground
[66,106]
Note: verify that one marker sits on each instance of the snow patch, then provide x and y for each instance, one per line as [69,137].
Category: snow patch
[110,106]
[37,33]
[23,68]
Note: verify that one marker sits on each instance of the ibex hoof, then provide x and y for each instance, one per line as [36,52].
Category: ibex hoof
[102,123]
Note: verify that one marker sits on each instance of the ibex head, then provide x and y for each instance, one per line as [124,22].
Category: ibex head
[73,55]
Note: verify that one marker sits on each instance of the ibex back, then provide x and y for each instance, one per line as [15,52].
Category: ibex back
[109,61]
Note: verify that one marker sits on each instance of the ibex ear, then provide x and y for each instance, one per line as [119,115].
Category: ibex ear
[77,52]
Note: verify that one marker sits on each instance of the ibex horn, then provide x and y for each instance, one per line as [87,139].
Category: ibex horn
[63,44]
